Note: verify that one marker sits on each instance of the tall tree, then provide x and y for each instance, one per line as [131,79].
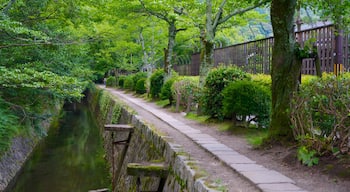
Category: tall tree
[168,12]
[285,70]
[214,17]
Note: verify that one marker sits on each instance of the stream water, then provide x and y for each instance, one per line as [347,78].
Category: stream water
[71,159]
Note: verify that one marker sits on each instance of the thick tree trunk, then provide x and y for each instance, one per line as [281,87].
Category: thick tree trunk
[285,68]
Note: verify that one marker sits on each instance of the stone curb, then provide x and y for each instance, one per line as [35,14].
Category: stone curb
[263,178]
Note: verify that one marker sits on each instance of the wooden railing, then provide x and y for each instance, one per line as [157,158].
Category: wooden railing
[255,56]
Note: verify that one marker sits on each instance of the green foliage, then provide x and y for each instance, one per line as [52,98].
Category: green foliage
[246,99]
[320,110]
[59,86]
[307,157]
[262,79]
[215,82]
[186,88]
[137,76]
[156,83]
[165,92]
[111,81]
[129,83]
[140,87]
[121,80]
[8,127]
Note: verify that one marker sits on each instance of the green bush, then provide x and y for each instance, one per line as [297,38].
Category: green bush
[111,81]
[320,114]
[137,76]
[165,92]
[156,83]
[140,87]
[215,82]
[186,87]
[129,83]
[262,79]
[247,101]
[121,80]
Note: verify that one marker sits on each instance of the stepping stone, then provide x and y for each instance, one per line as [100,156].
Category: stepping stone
[280,187]
[266,177]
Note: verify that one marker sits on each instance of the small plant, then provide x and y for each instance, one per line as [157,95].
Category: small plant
[307,157]
[156,83]
[111,81]
[166,89]
[215,82]
[121,81]
[247,101]
[140,86]
[129,83]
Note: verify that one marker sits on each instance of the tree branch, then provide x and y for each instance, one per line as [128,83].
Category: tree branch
[158,15]
[45,43]
[219,14]
[8,6]
[241,11]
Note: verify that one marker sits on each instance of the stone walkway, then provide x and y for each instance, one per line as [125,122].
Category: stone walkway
[265,179]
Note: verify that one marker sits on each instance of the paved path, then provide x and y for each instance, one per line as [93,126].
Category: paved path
[265,179]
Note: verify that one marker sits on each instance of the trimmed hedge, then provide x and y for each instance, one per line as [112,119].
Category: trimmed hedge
[156,83]
[247,101]
[140,86]
[215,82]
[111,81]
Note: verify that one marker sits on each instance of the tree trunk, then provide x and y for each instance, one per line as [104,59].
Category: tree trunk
[285,68]
[171,44]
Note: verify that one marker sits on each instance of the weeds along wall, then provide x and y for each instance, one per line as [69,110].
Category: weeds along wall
[147,144]
[23,145]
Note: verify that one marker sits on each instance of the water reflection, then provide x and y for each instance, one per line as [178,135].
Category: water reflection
[70,159]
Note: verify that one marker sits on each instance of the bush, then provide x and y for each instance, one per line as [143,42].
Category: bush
[8,126]
[187,88]
[140,87]
[129,82]
[262,79]
[247,100]
[215,82]
[156,83]
[121,81]
[111,81]
[137,76]
[320,114]
[165,92]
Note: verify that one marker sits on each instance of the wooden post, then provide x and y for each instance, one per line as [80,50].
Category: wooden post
[119,128]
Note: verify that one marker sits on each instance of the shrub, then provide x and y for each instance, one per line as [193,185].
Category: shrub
[262,79]
[111,81]
[187,88]
[247,100]
[137,76]
[140,87]
[121,81]
[8,126]
[165,92]
[156,83]
[129,83]
[320,114]
[215,82]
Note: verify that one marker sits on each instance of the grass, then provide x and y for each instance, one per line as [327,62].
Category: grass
[163,103]
[253,135]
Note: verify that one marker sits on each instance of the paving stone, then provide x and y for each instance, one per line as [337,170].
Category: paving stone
[235,159]
[266,177]
[206,141]
[247,167]
[225,152]
[197,136]
[279,187]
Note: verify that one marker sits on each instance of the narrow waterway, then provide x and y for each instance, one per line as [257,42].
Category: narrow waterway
[70,159]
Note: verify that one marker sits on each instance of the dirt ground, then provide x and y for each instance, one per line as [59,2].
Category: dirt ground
[320,178]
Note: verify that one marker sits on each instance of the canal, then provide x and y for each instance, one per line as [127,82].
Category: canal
[70,159]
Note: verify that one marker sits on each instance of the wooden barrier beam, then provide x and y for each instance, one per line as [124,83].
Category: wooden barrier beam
[147,169]
[100,190]
[119,127]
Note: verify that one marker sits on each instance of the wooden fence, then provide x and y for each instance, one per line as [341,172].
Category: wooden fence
[255,56]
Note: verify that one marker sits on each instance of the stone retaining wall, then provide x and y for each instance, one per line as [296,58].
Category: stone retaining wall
[147,145]
[20,150]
